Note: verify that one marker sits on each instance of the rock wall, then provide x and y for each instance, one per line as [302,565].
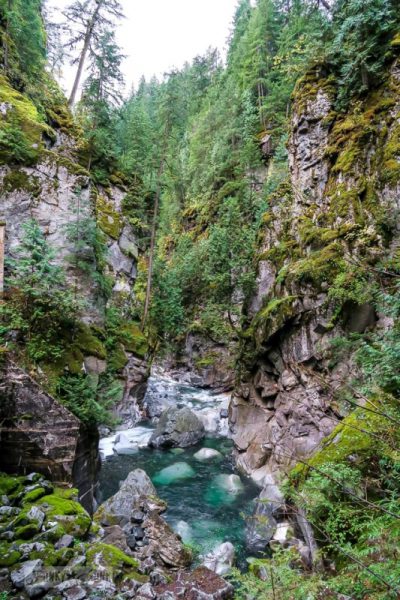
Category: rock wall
[52,186]
[201,363]
[324,233]
[38,434]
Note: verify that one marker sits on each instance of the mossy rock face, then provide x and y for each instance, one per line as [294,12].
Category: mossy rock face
[69,514]
[17,180]
[88,343]
[117,359]
[9,486]
[133,339]
[271,318]
[34,495]
[351,438]
[109,220]
[27,532]
[310,85]
[21,128]
[82,342]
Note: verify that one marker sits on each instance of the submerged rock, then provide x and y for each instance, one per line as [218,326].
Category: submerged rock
[207,454]
[221,559]
[177,428]
[230,483]
[173,473]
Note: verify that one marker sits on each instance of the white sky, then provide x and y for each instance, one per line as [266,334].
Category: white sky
[160,34]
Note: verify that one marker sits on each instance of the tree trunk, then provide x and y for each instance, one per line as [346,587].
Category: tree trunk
[88,36]
[2,242]
[152,245]
[6,38]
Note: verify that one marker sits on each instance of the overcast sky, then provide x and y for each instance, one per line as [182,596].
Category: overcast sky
[160,34]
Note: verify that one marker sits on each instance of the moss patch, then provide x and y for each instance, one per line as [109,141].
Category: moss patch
[8,556]
[17,181]
[21,128]
[117,359]
[109,220]
[133,339]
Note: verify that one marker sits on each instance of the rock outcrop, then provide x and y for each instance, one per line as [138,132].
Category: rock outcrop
[177,428]
[136,509]
[38,434]
[337,211]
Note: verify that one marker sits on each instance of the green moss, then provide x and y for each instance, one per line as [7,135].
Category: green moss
[9,485]
[60,160]
[208,360]
[26,532]
[347,440]
[112,560]
[321,265]
[18,180]
[88,343]
[109,220]
[308,87]
[133,339]
[395,43]
[21,128]
[59,509]
[33,495]
[117,359]
[8,557]
[136,577]
[271,318]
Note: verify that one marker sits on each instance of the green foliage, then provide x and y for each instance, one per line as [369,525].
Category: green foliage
[79,395]
[362,33]
[379,353]
[39,304]
[24,40]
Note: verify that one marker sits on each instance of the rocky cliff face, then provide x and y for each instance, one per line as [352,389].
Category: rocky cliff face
[201,363]
[39,434]
[50,185]
[325,231]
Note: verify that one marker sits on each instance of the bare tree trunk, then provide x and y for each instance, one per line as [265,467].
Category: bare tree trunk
[6,38]
[82,58]
[2,242]
[152,245]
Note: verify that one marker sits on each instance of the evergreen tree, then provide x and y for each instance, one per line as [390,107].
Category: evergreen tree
[363,30]
[101,95]
[23,39]
[40,304]
[89,19]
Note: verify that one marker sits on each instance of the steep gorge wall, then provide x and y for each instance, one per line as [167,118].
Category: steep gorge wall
[324,233]
[49,184]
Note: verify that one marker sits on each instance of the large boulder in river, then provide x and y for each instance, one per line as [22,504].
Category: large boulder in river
[177,428]
[136,509]
[135,491]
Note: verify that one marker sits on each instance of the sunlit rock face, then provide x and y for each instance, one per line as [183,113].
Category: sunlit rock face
[318,227]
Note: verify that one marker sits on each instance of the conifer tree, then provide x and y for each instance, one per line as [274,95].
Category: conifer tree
[89,19]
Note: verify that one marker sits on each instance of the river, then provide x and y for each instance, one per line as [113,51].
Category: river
[207,501]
